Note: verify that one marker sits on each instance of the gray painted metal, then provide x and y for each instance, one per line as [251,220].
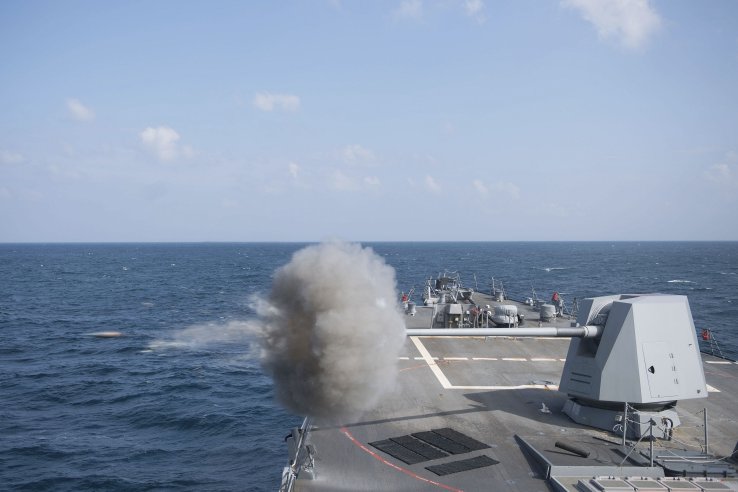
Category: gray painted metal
[648,352]
[552,331]
[496,390]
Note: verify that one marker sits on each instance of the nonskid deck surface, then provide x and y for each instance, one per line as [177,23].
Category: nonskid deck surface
[495,391]
[345,459]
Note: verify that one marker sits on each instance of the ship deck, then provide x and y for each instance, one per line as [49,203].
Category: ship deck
[502,392]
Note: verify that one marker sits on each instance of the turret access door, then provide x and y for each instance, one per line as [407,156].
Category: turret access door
[661,370]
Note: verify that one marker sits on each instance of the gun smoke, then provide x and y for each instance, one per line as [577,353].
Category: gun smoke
[331,331]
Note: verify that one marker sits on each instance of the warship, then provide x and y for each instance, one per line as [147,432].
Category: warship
[601,394]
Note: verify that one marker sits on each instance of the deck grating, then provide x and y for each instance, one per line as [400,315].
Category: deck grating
[462,465]
[432,445]
[462,439]
[423,449]
[441,442]
[398,451]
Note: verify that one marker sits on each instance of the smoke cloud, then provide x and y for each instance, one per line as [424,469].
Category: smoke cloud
[331,331]
[204,335]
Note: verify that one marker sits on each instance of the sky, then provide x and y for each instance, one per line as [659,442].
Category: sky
[402,120]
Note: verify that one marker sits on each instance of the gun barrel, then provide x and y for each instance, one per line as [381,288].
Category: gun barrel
[589,331]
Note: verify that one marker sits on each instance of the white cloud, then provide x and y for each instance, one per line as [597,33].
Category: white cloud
[372,181]
[630,22]
[409,9]
[499,188]
[79,111]
[162,141]
[480,187]
[266,101]
[415,10]
[720,172]
[555,209]
[475,10]
[293,169]
[356,154]
[188,152]
[7,157]
[432,185]
[724,173]
[506,188]
[342,182]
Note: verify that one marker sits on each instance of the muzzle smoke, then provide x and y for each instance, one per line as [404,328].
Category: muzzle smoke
[331,331]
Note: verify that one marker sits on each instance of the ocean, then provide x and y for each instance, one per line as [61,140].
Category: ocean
[178,402]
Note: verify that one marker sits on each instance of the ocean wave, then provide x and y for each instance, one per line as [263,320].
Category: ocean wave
[11,350]
[205,424]
[677,281]
[91,482]
[38,375]
[185,386]
[40,451]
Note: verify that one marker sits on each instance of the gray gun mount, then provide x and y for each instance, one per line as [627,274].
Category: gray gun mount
[631,358]
[647,357]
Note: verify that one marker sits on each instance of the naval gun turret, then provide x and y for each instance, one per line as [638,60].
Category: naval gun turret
[647,357]
[631,358]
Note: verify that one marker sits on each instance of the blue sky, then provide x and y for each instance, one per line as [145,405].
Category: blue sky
[398,120]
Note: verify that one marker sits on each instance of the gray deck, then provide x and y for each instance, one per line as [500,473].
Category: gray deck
[492,390]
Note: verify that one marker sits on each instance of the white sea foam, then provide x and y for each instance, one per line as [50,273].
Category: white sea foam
[105,334]
[680,281]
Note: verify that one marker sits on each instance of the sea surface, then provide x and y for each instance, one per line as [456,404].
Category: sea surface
[179,401]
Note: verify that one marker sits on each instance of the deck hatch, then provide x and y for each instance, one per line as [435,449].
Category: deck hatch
[398,451]
[462,465]
[425,450]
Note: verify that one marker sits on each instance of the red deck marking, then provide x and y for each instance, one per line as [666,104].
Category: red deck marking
[374,455]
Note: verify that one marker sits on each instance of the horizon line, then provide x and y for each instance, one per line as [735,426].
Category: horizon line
[382,241]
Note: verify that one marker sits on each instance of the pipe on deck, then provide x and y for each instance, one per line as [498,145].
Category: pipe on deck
[589,331]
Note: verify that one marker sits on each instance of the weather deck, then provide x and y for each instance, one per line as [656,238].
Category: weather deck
[502,392]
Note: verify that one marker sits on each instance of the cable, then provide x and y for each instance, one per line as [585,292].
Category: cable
[701,461]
